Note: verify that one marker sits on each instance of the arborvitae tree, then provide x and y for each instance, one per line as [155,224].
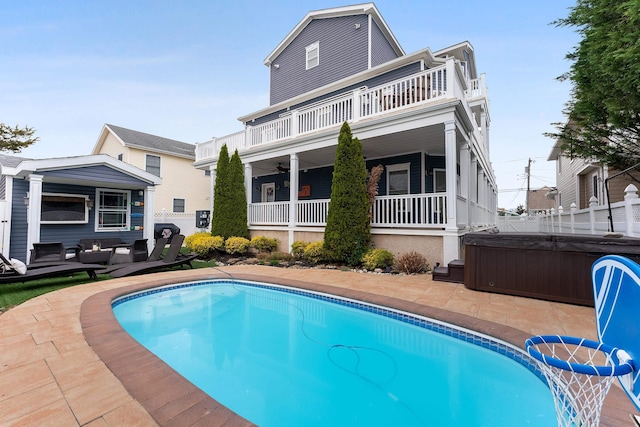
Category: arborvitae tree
[220,191]
[236,215]
[347,234]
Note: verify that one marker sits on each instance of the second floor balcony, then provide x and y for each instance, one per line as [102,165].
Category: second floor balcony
[421,89]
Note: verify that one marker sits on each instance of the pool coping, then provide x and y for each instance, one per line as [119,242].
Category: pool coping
[174,401]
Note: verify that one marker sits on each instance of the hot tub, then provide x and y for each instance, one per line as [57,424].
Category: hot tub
[555,267]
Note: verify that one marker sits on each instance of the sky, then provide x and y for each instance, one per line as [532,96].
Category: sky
[187,69]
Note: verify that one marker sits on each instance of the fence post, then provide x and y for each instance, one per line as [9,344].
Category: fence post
[572,210]
[355,107]
[560,210]
[630,197]
[593,203]
[551,212]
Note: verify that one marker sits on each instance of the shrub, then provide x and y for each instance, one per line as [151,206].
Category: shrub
[314,252]
[411,263]
[203,243]
[237,245]
[347,232]
[377,258]
[297,248]
[264,244]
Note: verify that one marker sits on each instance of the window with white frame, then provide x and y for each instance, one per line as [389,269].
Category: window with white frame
[112,210]
[178,205]
[398,179]
[152,164]
[313,55]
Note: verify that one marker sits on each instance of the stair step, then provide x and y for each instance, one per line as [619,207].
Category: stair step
[454,272]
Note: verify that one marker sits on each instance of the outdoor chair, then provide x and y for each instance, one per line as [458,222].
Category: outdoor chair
[155,255]
[16,271]
[46,252]
[172,258]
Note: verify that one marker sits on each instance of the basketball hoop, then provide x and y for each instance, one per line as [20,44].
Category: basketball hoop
[579,373]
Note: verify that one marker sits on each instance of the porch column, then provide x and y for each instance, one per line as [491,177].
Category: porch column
[248,177]
[465,179]
[34,212]
[450,246]
[149,220]
[475,196]
[294,169]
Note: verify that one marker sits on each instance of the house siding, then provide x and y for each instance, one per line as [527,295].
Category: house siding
[68,234]
[343,51]
[97,173]
[618,184]
[381,50]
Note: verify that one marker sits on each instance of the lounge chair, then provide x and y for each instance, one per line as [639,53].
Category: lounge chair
[155,255]
[171,259]
[19,273]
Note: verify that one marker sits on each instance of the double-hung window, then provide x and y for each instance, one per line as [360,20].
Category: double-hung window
[313,55]
[113,210]
[153,164]
[178,205]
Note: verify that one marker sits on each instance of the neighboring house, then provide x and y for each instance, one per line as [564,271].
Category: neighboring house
[424,116]
[541,199]
[185,189]
[581,180]
[72,198]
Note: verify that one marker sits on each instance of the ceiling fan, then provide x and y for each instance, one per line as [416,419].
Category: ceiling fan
[282,168]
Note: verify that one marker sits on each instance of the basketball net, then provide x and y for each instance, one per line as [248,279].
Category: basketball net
[579,373]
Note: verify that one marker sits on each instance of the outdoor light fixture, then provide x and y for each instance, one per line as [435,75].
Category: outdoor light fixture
[26,199]
[89,203]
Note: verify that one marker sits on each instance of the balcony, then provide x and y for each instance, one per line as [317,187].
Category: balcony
[406,211]
[424,88]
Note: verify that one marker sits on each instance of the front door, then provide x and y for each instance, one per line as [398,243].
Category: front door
[269,192]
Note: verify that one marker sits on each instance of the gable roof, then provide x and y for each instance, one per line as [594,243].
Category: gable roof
[145,141]
[10,161]
[359,9]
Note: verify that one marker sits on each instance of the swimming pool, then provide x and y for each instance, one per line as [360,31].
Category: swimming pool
[280,356]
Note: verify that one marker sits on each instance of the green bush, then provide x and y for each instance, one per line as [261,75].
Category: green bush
[297,248]
[377,258]
[203,244]
[314,252]
[264,244]
[347,232]
[237,245]
[411,263]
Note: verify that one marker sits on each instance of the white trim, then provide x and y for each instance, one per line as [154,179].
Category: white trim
[435,181]
[75,196]
[309,50]
[369,53]
[396,168]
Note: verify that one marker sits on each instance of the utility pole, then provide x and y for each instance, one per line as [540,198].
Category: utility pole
[527,170]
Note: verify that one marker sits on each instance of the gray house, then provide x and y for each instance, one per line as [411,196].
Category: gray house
[72,198]
[423,116]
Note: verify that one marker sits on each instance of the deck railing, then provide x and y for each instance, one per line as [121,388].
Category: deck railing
[413,210]
[364,103]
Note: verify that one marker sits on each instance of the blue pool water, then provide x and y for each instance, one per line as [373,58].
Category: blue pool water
[283,357]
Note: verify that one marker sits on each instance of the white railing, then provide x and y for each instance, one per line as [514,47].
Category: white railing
[270,213]
[417,89]
[313,212]
[414,210]
[625,216]
[272,131]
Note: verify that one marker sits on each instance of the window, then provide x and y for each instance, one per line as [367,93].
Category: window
[120,156]
[178,205]
[153,164]
[398,179]
[313,55]
[440,181]
[113,210]
[207,172]
[268,192]
[594,179]
[64,209]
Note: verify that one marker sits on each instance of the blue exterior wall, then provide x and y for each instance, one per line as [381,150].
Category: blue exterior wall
[343,51]
[70,234]
[431,162]
[100,173]
[381,50]
[320,178]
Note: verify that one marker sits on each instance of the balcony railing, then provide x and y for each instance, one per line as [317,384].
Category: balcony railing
[413,210]
[417,89]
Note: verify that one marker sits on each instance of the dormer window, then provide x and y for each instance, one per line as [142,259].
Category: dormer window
[313,55]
